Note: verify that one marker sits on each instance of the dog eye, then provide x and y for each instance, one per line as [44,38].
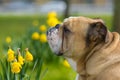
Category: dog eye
[66,30]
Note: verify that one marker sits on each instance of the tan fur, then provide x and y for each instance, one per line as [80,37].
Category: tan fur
[96,62]
[103,61]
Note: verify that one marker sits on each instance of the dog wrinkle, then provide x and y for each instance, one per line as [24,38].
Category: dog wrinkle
[96,61]
[69,18]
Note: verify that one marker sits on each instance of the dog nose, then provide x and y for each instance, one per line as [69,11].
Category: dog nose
[47,32]
[50,30]
[57,26]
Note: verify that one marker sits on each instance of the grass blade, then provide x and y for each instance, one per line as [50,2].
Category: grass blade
[39,70]
[33,68]
[43,74]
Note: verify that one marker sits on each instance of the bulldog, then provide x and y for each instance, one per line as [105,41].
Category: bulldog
[90,48]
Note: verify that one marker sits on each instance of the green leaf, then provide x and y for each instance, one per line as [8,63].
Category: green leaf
[3,68]
[33,68]
[44,72]
[39,70]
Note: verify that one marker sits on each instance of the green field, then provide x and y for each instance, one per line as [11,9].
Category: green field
[16,27]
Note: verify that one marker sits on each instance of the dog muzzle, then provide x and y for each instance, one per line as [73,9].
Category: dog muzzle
[54,39]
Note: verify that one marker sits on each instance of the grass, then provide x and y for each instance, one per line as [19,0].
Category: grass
[58,72]
[16,26]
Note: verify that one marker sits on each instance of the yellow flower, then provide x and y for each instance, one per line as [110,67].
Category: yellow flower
[11,56]
[52,14]
[43,28]
[8,39]
[35,36]
[43,38]
[35,23]
[52,22]
[10,51]
[16,67]
[20,59]
[28,56]
[66,64]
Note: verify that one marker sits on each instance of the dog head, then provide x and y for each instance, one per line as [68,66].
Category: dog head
[76,36]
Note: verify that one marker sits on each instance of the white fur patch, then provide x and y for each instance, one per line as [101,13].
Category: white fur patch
[77,77]
[72,63]
[54,40]
[74,66]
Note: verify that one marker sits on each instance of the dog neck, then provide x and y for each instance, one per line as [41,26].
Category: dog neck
[87,66]
[99,58]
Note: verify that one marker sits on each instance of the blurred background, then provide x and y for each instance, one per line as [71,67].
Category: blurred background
[31,7]
[64,8]
[23,23]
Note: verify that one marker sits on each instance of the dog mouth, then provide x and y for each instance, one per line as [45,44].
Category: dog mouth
[54,40]
[59,54]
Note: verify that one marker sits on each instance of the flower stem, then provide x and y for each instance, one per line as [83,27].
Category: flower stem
[16,77]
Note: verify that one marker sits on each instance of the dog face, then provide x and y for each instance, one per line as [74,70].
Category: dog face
[76,36]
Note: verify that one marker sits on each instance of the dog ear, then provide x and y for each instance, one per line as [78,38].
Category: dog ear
[97,33]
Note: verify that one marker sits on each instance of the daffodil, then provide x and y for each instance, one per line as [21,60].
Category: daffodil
[20,59]
[35,36]
[10,51]
[10,54]
[8,39]
[16,67]
[35,23]
[43,38]
[11,57]
[43,28]
[52,14]
[52,22]
[66,64]
[28,56]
